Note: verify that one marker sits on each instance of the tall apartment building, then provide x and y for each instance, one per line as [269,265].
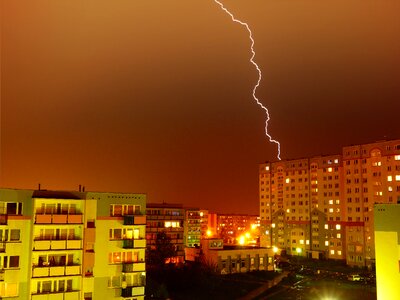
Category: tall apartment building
[192,227]
[72,245]
[168,218]
[322,206]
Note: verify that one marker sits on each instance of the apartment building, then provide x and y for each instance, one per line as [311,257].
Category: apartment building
[72,245]
[387,245]
[192,227]
[230,259]
[232,226]
[168,218]
[322,206]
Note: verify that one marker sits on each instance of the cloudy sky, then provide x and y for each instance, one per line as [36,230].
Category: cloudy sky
[155,96]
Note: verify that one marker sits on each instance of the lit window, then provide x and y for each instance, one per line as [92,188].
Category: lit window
[390,189]
[307,242]
[330,201]
[302,242]
[329,169]
[326,243]
[266,168]
[332,252]
[389,178]
[397,157]
[397,177]
[326,226]
[287,180]
[337,201]
[331,210]
[273,225]
[339,252]
[338,236]
[336,161]
[288,210]
[337,226]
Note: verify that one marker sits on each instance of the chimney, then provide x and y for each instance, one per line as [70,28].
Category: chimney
[39,187]
[83,189]
[80,187]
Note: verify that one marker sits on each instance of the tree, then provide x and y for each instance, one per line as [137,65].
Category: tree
[161,251]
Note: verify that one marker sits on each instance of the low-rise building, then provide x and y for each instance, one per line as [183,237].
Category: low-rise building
[236,259]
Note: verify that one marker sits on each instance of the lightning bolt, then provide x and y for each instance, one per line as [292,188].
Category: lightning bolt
[259,75]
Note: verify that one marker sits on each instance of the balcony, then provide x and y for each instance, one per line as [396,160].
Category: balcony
[56,271]
[74,244]
[58,219]
[129,267]
[69,295]
[134,220]
[132,291]
[134,243]
[41,245]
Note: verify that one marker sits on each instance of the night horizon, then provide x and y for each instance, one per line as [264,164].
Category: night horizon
[155,98]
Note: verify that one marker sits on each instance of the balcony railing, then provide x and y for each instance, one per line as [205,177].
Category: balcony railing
[129,267]
[134,243]
[56,271]
[62,295]
[134,220]
[131,291]
[40,245]
[58,218]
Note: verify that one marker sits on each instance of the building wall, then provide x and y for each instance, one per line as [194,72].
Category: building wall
[387,250]
[56,245]
[324,204]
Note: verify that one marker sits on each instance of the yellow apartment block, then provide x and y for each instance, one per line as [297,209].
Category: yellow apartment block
[61,245]
[387,250]
[322,207]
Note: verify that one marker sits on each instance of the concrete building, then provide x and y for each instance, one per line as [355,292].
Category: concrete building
[232,226]
[192,227]
[236,259]
[387,250]
[322,206]
[72,245]
[167,217]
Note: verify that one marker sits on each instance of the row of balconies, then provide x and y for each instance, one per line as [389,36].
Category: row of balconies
[56,271]
[40,245]
[58,219]
[68,295]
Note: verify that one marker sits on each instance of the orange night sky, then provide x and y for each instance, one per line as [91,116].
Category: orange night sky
[155,96]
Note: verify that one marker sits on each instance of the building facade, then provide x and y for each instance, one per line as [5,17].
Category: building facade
[387,250]
[192,227]
[232,226]
[72,245]
[228,259]
[168,218]
[322,207]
